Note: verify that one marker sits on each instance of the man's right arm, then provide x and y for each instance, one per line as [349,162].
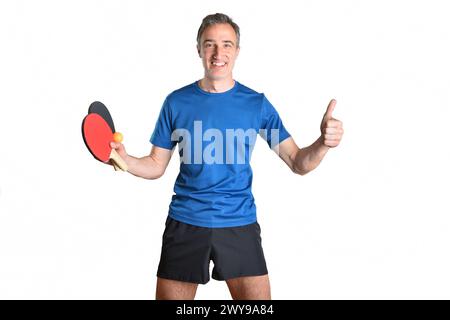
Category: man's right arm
[151,167]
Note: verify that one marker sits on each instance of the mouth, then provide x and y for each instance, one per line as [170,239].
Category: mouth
[218,64]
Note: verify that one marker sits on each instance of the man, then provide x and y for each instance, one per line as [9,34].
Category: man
[212,215]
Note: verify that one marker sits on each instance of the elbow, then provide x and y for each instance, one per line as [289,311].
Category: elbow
[299,171]
[154,177]
[155,168]
[155,174]
[296,165]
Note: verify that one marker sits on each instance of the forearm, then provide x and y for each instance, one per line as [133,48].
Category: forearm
[307,159]
[146,167]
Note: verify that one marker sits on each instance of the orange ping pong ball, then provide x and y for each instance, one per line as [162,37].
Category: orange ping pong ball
[117,137]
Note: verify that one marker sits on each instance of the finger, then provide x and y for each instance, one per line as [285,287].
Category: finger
[333,123]
[330,109]
[332,137]
[331,144]
[331,141]
[114,145]
[333,130]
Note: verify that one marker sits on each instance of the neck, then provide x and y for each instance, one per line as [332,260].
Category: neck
[216,86]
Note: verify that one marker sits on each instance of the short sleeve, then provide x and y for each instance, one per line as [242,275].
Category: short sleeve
[161,136]
[272,129]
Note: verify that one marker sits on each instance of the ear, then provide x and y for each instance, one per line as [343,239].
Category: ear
[198,51]
[237,51]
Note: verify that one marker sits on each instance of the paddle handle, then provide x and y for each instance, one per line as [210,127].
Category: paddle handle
[117,159]
[116,167]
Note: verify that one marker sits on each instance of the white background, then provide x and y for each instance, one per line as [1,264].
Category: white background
[371,221]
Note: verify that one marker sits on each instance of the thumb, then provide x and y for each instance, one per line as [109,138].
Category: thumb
[114,145]
[330,108]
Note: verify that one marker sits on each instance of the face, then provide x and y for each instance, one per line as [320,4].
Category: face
[218,50]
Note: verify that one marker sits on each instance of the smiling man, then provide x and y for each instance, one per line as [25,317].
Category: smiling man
[212,215]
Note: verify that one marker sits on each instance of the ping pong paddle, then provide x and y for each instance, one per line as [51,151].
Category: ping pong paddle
[100,109]
[98,135]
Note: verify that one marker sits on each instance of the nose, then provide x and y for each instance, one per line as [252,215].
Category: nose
[217,52]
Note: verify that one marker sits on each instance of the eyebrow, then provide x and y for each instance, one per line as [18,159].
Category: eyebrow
[224,41]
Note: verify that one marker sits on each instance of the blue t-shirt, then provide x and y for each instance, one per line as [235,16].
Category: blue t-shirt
[216,133]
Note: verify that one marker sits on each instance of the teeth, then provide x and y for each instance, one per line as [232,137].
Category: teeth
[220,64]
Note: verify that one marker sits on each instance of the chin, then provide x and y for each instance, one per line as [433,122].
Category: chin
[218,76]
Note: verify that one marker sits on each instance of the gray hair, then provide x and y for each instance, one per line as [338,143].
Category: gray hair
[216,19]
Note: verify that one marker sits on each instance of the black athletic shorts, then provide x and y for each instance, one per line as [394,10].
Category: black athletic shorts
[188,249]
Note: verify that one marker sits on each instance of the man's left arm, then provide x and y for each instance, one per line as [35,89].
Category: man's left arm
[304,160]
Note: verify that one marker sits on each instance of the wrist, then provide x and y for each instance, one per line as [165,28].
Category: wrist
[321,143]
[129,160]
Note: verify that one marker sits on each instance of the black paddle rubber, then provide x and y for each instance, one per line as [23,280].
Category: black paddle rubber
[100,109]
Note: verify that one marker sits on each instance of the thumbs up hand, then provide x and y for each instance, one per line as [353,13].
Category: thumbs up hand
[332,129]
